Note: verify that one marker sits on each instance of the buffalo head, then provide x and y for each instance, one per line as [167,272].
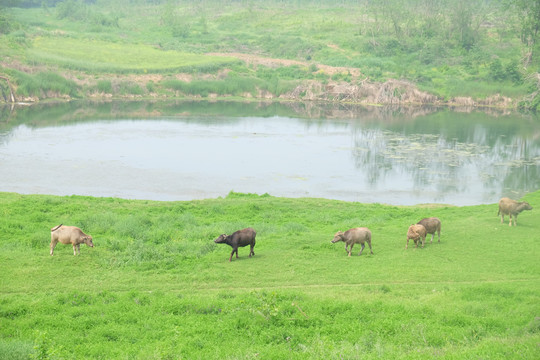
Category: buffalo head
[221,239]
[338,237]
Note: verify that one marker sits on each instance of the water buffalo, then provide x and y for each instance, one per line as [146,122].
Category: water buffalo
[360,235]
[238,239]
[416,232]
[511,207]
[69,235]
[432,225]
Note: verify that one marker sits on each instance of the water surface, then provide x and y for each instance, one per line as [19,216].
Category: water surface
[402,159]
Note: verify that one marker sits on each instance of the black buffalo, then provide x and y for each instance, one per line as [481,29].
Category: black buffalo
[238,239]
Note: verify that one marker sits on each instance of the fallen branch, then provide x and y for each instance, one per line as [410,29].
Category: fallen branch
[301,311]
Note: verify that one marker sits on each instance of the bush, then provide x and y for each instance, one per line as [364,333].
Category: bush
[6,23]
[127,87]
[104,86]
[512,72]
[509,72]
[71,10]
[496,71]
[151,86]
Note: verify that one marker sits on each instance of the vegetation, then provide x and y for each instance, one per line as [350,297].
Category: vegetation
[451,49]
[156,286]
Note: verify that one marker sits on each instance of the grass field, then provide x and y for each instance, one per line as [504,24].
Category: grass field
[96,55]
[157,287]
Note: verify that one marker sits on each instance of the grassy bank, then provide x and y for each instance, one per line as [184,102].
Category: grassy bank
[156,286]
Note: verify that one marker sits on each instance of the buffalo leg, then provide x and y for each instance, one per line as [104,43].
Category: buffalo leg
[362,249]
[432,236]
[230,258]
[370,249]
[350,249]
[251,252]
[502,219]
[407,246]
[53,245]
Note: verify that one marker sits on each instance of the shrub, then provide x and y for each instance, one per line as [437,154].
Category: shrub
[6,23]
[151,86]
[512,72]
[496,71]
[104,86]
[127,87]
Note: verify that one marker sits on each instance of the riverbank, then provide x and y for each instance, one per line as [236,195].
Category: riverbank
[67,85]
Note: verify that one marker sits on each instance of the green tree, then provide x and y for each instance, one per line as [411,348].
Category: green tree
[529,14]
[466,17]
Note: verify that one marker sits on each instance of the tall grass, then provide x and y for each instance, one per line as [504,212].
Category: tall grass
[156,285]
[42,83]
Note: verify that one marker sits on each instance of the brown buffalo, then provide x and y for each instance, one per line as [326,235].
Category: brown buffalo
[360,235]
[69,235]
[238,239]
[416,232]
[511,207]
[432,225]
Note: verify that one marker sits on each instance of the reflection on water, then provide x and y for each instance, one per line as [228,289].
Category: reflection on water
[181,151]
[447,170]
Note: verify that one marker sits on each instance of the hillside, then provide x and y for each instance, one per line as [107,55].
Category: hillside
[391,52]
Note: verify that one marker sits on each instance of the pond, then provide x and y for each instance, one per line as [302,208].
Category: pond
[195,150]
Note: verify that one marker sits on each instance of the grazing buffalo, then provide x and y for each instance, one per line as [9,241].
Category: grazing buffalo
[69,235]
[360,235]
[238,239]
[416,232]
[432,225]
[511,207]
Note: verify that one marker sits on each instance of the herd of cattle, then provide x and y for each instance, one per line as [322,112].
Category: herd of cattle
[360,235]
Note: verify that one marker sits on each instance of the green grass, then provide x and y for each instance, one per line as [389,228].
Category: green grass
[106,56]
[157,287]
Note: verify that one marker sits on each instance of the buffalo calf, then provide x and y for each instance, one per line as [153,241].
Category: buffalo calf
[417,233]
